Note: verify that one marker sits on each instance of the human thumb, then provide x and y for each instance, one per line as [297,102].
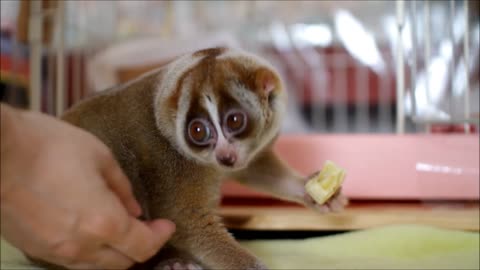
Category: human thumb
[162,229]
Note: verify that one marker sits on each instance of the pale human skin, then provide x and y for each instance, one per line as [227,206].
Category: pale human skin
[65,200]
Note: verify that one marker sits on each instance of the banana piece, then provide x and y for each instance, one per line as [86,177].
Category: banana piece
[325,184]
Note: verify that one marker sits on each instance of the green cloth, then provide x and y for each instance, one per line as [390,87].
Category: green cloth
[391,247]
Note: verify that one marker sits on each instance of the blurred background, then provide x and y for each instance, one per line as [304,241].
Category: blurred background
[358,75]
[349,66]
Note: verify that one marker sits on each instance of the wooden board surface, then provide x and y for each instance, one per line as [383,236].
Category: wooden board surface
[462,216]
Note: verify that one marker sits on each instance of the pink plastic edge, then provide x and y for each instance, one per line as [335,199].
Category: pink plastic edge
[386,167]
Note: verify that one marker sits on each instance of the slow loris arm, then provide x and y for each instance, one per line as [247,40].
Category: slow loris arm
[268,173]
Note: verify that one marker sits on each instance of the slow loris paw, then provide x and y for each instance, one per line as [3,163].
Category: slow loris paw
[177,264]
[335,204]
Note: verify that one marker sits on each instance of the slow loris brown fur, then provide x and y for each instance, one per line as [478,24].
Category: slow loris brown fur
[177,131]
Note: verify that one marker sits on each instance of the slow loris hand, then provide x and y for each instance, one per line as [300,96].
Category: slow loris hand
[335,204]
[65,200]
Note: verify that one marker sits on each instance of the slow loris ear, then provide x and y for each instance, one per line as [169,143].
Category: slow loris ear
[266,81]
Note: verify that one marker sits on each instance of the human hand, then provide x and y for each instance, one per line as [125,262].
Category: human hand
[65,200]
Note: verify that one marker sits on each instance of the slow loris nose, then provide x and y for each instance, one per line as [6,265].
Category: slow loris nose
[228,159]
[226,154]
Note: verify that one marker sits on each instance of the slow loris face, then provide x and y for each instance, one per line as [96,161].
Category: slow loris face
[225,106]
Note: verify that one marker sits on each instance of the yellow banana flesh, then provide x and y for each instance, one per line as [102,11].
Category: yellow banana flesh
[325,184]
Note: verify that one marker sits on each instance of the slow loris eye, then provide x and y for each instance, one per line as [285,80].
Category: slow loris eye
[235,122]
[199,132]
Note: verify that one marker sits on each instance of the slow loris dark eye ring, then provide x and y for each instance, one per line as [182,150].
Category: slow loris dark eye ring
[235,122]
[199,132]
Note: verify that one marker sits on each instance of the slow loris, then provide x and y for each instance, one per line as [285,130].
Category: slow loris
[177,131]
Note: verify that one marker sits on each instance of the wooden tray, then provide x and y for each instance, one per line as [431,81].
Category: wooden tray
[358,215]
